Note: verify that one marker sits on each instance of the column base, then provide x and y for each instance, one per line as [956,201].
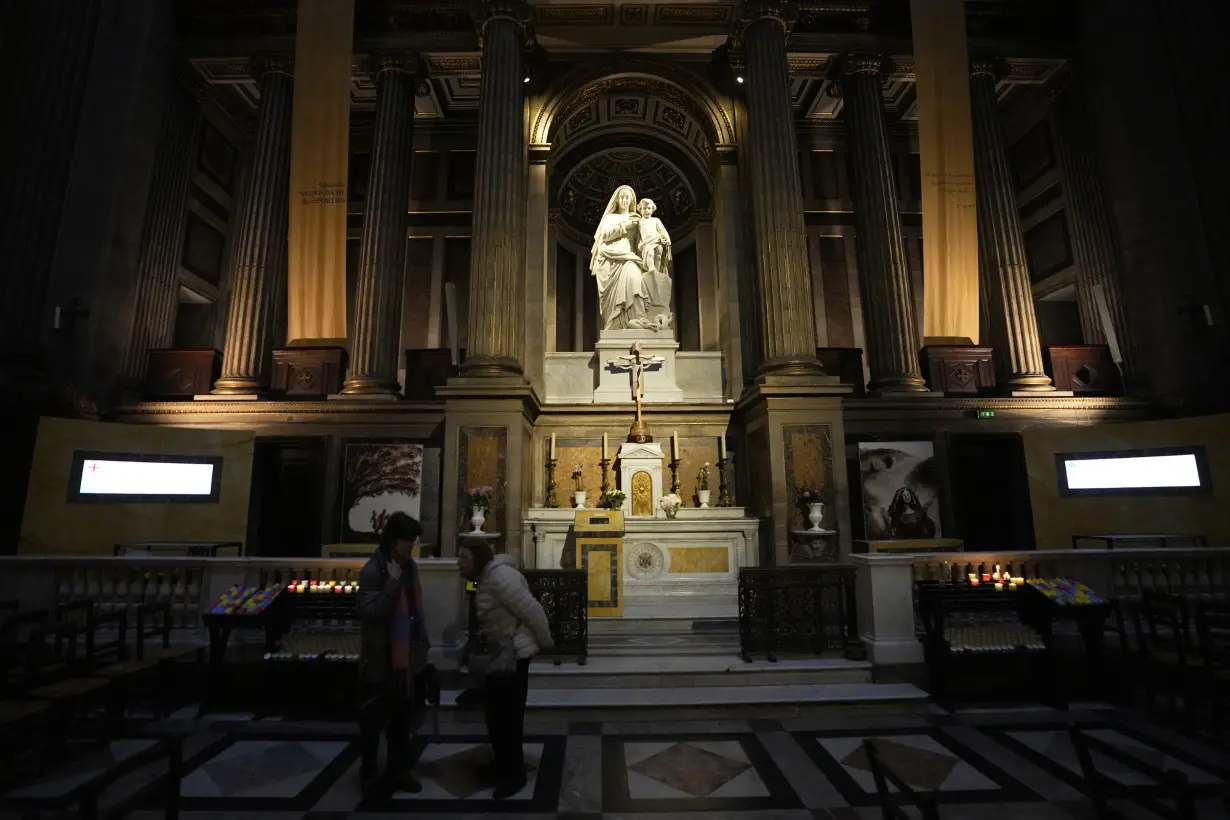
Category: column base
[890,393]
[230,386]
[370,387]
[491,367]
[898,384]
[1010,393]
[1029,383]
[230,397]
[359,397]
[790,366]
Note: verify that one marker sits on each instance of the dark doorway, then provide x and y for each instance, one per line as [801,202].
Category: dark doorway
[990,492]
[285,515]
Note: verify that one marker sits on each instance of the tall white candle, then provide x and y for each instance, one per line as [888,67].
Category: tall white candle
[604,446]
[722,447]
[675,445]
[553,445]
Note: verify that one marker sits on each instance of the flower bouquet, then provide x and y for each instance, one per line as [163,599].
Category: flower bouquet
[811,502]
[480,497]
[612,500]
[670,504]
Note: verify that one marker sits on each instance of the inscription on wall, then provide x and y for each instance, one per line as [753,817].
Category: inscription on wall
[325,193]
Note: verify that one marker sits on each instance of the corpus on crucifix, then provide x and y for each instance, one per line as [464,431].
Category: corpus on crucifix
[635,364]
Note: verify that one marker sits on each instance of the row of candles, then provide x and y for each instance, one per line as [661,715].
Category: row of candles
[674,446]
[997,578]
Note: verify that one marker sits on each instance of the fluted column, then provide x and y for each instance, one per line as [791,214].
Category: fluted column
[258,274]
[156,293]
[884,273]
[497,255]
[783,277]
[382,252]
[47,60]
[1003,269]
[1089,220]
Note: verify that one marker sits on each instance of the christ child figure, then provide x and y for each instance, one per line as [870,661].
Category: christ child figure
[654,246]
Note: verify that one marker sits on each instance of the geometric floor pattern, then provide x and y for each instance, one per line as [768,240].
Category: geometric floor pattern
[998,764]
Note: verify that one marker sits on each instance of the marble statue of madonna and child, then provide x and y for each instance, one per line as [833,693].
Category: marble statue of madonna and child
[631,259]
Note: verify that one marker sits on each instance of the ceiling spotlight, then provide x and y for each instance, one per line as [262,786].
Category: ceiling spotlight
[739,79]
[527,79]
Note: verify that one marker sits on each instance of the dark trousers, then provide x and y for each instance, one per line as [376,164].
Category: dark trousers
[385,708]
[504,705]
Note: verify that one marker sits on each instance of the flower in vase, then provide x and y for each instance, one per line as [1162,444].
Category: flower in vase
[480,496]
[576,477]
[702,477]
[670,504]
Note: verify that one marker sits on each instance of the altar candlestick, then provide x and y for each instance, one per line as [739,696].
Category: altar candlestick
[553,445]
[604,446]
[675,445]
[722,446]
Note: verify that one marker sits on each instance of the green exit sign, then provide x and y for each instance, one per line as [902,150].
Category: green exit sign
[986,414]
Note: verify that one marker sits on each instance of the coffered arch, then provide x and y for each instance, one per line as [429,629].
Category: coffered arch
[668,99]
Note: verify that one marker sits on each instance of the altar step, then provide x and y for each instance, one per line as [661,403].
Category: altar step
[687,671]
[663,638]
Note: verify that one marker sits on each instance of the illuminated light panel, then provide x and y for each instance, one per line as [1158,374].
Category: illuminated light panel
[107,477]
[1132,473]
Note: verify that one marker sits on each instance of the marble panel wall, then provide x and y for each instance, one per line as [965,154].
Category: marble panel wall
[482,453]
[809,463]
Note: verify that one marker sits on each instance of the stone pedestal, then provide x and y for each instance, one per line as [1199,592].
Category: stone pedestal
[958,369]
[640,478]
[615,385]
[307,372]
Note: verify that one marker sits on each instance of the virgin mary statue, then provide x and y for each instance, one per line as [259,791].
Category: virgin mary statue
[622,298]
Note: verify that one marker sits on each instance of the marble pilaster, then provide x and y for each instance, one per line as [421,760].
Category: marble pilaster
[1004,270]
[497,257]
[258,272]
[1089,221]
[382,252]
[884,273]
[783,278]
[156,291]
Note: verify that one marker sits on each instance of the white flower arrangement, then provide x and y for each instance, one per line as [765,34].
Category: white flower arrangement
[670,504]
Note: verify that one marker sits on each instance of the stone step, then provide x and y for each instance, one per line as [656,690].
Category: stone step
[696,670]
[696,702]
[649,626]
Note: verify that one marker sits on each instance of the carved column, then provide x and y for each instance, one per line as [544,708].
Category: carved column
[497,255]
[156,294]
[1089,220]
[884,273]
[382,255]
[1004,271]
[783,277]
[258,273]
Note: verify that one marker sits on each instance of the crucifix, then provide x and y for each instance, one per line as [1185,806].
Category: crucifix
[635,364]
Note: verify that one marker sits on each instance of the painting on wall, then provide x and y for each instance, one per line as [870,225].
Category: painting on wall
[900,483]
[380,478]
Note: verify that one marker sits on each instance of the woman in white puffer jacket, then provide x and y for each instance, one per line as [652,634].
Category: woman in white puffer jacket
[505,609]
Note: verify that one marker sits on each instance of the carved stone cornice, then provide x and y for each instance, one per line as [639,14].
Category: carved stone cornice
[996,67]
[402,62]
[518,11]
[271,63]
[783,12]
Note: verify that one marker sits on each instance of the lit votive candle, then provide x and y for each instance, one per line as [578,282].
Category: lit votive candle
[973,577]
[999,586]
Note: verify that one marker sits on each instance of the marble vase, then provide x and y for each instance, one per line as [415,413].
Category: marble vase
[703,497]
[815,514]
[478,517]
[578,499]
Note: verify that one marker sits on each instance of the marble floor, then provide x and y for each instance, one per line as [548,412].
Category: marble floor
[978,763]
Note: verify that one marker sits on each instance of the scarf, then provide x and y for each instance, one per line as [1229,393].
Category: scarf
[406,613]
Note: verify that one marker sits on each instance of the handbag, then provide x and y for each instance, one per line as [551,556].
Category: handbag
[489,657]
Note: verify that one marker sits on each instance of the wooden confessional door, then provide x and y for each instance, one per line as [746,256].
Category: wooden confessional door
[990,491]
[284,519]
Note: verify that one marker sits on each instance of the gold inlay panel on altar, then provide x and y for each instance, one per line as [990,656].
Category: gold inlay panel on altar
[699,560]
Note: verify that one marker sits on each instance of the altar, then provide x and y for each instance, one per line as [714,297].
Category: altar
[686,567]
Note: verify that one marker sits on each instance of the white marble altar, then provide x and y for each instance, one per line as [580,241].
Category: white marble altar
[685,568]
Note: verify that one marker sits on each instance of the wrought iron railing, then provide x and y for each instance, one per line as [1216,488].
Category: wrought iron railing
[564,594]
[798,610]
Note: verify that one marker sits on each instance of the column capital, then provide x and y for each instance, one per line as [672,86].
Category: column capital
[857,62]
[518,11]
[271,63]
[400,62]
[783,12]
[994,67]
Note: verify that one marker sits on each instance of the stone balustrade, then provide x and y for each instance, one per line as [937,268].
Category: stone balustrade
[887,612]
[191,585]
